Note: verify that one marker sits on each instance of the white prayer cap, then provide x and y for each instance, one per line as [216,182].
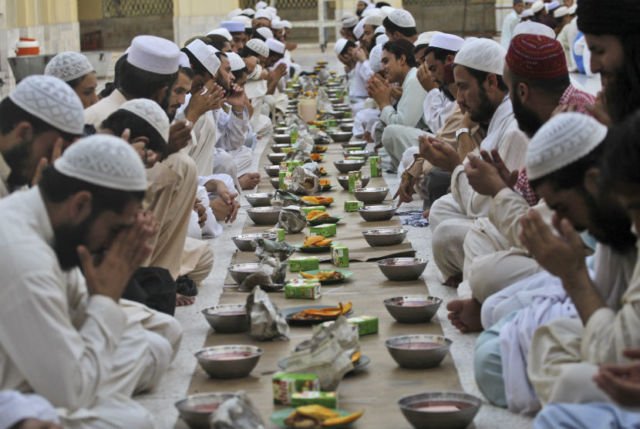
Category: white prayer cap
[573,9]
[277,24]
[262,14]
[560,12]
[106,161]
[375,58]
[261,5]
[561,141]
[259,47]
[287,24]
[537,6]
[154,54]
[380,30]
[552,5]
[482,54]
[221,32]
[233,26]
[382,39]
[272,10]
[450,42]
[358,31]
[244,20]
[425,38]
[276,46]
[402,18]
[535,28]
[205,54]
[68,66]
[235,61]
[151,112]
[527,13]
[184,60]
[248,12]
[234,12]
[340,45]
[349,21]
[375,20]
[52,101]
[386,10]
[265,32]
[371,11]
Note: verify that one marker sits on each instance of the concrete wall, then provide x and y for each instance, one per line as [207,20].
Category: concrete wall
[192,17]
[449,16]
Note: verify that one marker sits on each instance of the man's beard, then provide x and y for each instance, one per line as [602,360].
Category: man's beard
[67,240]
[612,225]
[17,159]
[485,110]
[225,85]
[528,120]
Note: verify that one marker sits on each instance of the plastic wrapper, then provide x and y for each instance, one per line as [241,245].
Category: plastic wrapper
[237,413]
[324,105]
[275,249]
[327,354]
[266,321]
[304,182]
[292,220]
[285,198]
[271,276]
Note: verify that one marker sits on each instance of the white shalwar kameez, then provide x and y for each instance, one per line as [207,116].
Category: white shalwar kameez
[97,353]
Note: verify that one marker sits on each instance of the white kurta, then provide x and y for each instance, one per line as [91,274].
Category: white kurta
[408,110]
[508,25]
[232,132]
[437,108]
[96,114]
[15,407]
[102,355]
[205,133]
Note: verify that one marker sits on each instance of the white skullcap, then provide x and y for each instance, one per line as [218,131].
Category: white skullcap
[482,54]
[277,24]
[527,13]
[551,6]
[262,14]
[276,46]
[402,18]
[235,61]
[561,141]
[52,101]
[340,45]
[375,58]
[233,26]
[272,10]
[349,21]
[265,32]
[358,31]
[386,10]
[248,12]
[425,38]
[154,54]
[184,60]
[287,24]
[234,12]
[261,5]
[244,20]
[537,6]
[151,112]
[221,32]
[106,161]
[371,11]
[560,12]
[381,40]
[205,54]
[375,20]
[259,47]
[450,42]
[535,28]
[573,9]
[68,66]
[379,30]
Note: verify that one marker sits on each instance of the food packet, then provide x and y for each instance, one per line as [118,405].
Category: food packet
[237,413]
[324,105]
[304,182]
[266,321]
[327,354]
[292,220]
[274,249]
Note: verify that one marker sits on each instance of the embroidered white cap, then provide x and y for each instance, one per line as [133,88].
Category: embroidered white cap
[205,54]
[386,10]
[375,19]
[151,112]
[265,32]
[235,61]
[447,41]
[340,45]
[349,21]
[262,14]
[535,28]
[482,54]
[277,24]
[259,47]
[154,54]
[425,38]
[104,160]
[402,18]
[68,66]
[221,32]
[52,101]
[275,46]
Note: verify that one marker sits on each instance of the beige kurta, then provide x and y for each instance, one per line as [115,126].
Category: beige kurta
[83,353]
[96,114]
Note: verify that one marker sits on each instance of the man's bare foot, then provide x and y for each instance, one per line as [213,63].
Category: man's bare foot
[464,314]
[453,281]
[249,181]
[182,300]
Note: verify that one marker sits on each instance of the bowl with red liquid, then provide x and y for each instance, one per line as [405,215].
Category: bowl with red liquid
[412,308]
[418,351]
[196,410]
[442,410]
[227,318]
[232,361]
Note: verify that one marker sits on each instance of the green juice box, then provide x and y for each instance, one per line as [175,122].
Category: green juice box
[302,289]
[280,233]
[326,230]
[374,166]
[355,180]
[367,325]
[340,255]
[304,263]
[286,384]
[353,206]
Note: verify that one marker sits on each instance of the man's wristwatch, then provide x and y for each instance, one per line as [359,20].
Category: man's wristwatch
[461,131]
